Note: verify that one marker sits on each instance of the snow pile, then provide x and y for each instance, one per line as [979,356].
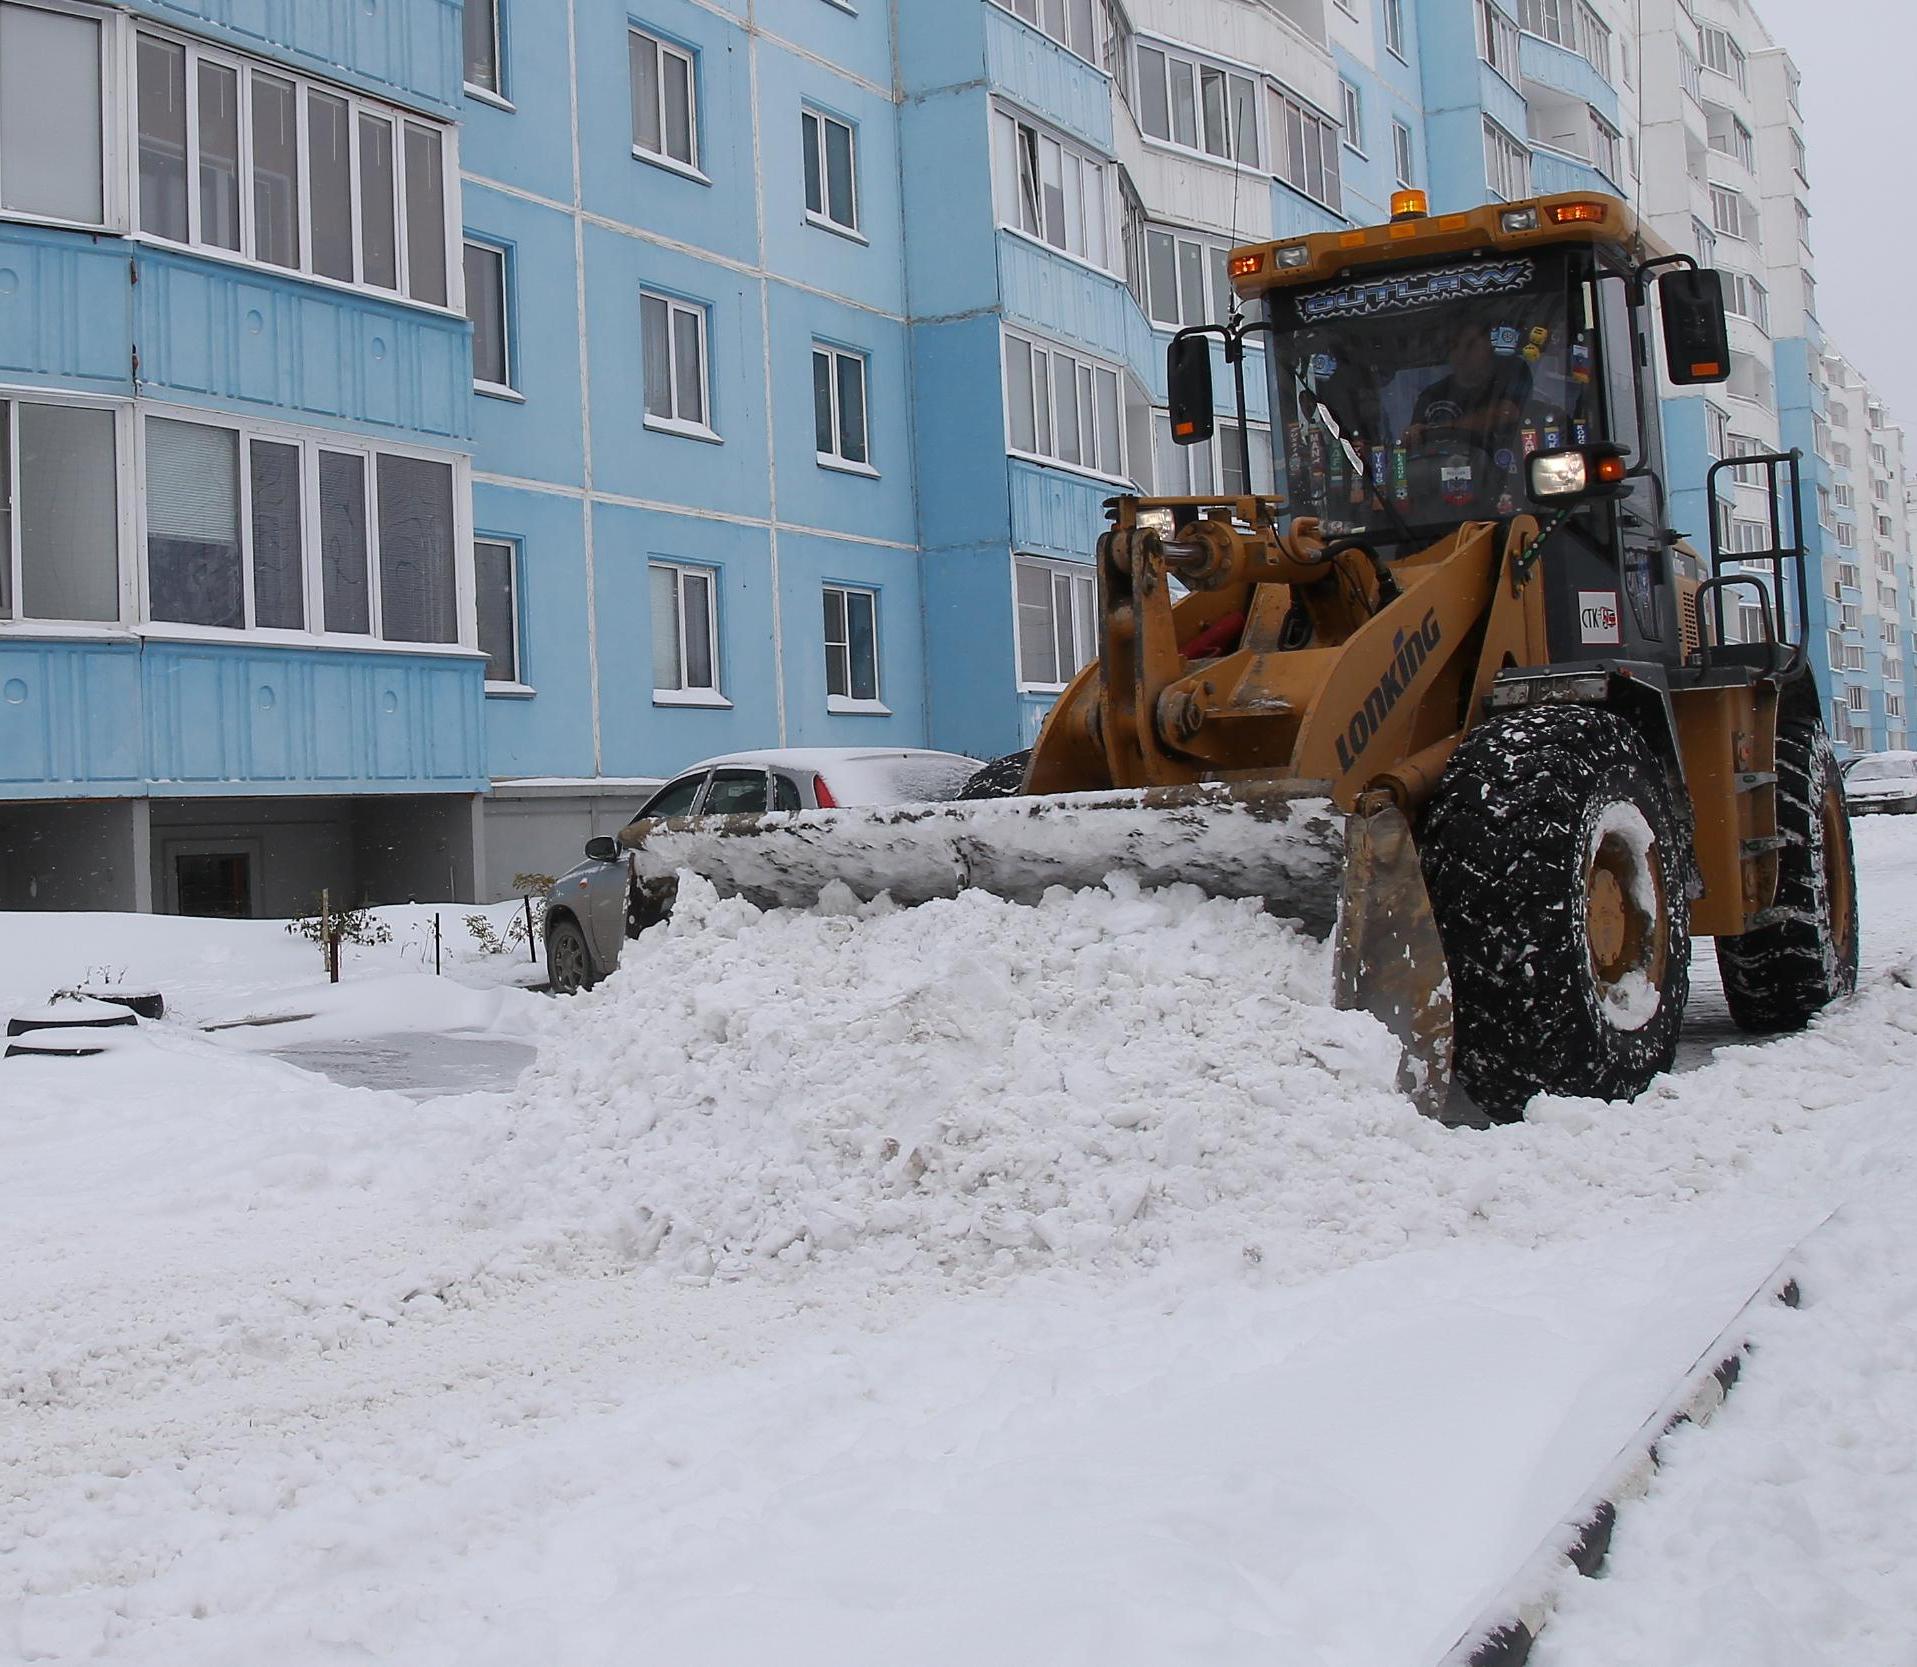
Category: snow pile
[960,1087]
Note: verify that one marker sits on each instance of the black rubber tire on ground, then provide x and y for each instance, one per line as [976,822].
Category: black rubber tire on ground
[1567,931]
[1777,977]
[568,960]
[1003,778]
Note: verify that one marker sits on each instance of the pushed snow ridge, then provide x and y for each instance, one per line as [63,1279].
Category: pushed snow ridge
[965,1087]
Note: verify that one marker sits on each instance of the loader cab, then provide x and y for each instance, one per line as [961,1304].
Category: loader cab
[1412,392]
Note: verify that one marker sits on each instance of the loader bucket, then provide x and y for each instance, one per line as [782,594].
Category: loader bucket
[1387,959]
[1281,841]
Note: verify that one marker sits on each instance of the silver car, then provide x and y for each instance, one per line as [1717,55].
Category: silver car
[1882,782]
[588,916]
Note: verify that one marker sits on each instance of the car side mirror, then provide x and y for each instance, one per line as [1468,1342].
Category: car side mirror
[602,848]
[1697,343]
[1188,381]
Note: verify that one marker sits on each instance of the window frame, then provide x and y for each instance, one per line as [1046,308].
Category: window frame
[676,424]
[514,548]
[1101,26]
[849,703]
[1404,156]
[1498,42]
[1314,127]
[1075,574]
[128,532]
[1081,362]
[833,352]
[495,94]
[664,47]
[822,216]
[1010,203]
[119,136]
[398,119]
[312,442]
[508,355]
[1174,52]
[712,694]
[1393,30]
[1351,100]
[1512,155]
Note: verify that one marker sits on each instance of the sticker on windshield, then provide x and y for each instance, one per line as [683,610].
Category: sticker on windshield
[1410,291]
[1598,620]
[1504,340]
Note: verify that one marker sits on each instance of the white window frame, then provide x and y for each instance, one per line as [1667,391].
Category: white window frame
[1081,590]
[822,215]
[311,442]
[398,119]
[1315,129]
[1223,444]
[118,128]
[1085,179]
[1404,157]
[1082,364]
[1746,298]
[712,694]
[836,459]
[508,389]
[128,575]
[676,424]
[1214,255]
[1352,103]
[1034,12]
[512,546]
[1507,164]
[1199,64]
[478,89]
[1716,43]
[849,702]
[663,49]
[1497,40]
[1394,30]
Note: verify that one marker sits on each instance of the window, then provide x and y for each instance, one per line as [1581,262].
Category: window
[482,45]
[1856,697]
[1749,537]
[1803,223]
[1507,163]
[1605,145]
[1497,39]
[1722,54]
[1728,212]
[1717,425]
[1201,106]
[685,631]
[52,136]
[1049,189]
[1354,116]
[838,407]
[190,187]
[1572,24]
[1394,26]
[851,647]
[1799,162]
[229,534]
[1836,648]
[1851,616]
[1074,24]
[673,345]
[1056,621]
[496,598]
[664,99]
[1747,474]
[486,307]
[1061,407]
[1751,379]
[1213,466]
[59,512]
[1747,298]
[1847,537]
[1401,152]
[831,184]
[1306,147]
[1825,516]
[1189,280]
[1131,220]
[1846,496]
[1729,136]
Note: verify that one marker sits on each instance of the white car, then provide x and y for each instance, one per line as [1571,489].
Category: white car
[587,919]
[1882,783]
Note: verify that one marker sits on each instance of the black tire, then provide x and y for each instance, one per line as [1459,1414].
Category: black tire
[1003,778]
[569,967]
[1779,976]
[1567,931]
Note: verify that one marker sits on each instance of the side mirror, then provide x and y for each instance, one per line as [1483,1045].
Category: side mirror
[1697,343]
[602,848]
[1565,477]
[1188,379]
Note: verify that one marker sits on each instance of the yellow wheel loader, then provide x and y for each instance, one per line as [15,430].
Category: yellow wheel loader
[1460,697]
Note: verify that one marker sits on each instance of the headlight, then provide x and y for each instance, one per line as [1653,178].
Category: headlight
[1519,219]
[1559,474]
[1292,254]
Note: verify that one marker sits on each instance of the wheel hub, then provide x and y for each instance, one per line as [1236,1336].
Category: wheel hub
[1839,886]
[1624,922]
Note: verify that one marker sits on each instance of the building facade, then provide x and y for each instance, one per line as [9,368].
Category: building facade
[499,406]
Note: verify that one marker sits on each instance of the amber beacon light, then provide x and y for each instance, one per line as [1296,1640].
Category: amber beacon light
[1409,205]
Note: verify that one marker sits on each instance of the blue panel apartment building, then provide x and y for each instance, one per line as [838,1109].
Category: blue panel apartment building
[429,424]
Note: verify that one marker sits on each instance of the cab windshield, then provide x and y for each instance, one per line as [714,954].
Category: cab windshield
[1414,397]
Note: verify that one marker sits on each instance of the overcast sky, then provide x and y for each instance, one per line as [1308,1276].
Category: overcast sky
[1856,57]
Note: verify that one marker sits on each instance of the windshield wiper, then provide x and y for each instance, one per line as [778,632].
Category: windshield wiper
[1317,410]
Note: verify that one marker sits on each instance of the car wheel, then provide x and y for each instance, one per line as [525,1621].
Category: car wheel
[569,967]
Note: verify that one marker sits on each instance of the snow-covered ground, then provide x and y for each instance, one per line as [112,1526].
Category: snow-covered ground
[966,1284]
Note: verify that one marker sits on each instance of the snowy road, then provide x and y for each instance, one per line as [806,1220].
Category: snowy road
[968,1285]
